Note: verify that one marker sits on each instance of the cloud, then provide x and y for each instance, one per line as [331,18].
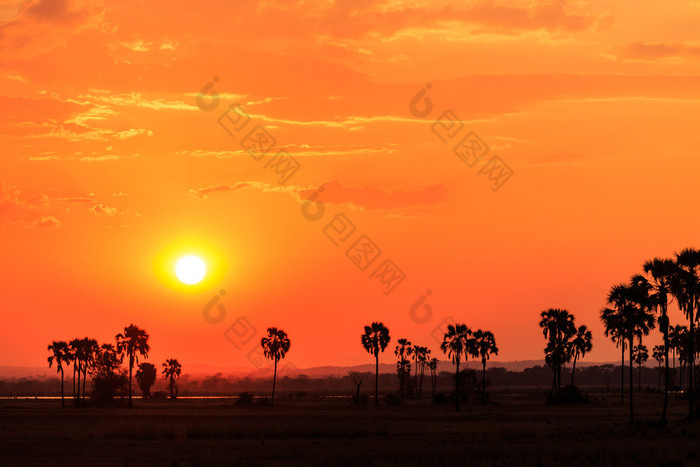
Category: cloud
[46,222]
[102,210]
[375,198]
[132,132]
[657,51]
[202,193]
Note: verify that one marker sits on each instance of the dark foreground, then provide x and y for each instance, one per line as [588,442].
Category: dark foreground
[514,430]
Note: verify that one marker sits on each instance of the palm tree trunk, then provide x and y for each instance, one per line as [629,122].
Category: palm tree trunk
[483,376]
[63,403]
[573,368]
[274,380]
[457,386]
[131,367]
[639,376]
[631,380]
[415,372]
[376,379]
[74,381]
[691,363]
[84,379]
[622,376]
[79,373]
[663,413]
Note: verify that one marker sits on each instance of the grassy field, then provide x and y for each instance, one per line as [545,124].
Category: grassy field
[513,430]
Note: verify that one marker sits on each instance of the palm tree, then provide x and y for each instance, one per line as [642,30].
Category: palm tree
[89,349]
[423,359]
[374,340]
[613,324]
[60,354]
[132,342]
[433,364]
[641,355]
[275,346]
[685,286]
[632,306]
[558,327]
[485,346]
[403,350]
[457,342]
[581,344]
[674,340]
[75,355]
[658,354]
[171,370]
[146,377]
[661,273]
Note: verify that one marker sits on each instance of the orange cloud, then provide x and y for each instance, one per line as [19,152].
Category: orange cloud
[648,51]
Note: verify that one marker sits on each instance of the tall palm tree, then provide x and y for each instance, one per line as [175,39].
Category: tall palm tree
[275,346]
[674,340]
[633,307]
[374,340]
[613,324]
[423,359]
[485,346]
[146,377]
[558,328]
[581,344]
[132,342]
[658,354]
[661,273]
[457,342]
[75,356]
[60,354]
[89,349]
[685,286]
[433,364]
[171,370]
[403,350]
[641,355]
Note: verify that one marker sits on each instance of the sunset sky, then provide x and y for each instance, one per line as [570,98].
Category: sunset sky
[111,171]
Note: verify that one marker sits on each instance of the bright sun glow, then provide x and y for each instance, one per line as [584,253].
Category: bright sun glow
[190,270]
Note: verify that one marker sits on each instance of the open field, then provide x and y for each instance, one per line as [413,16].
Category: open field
[513,430]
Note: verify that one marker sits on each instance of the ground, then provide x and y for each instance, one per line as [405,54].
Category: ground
[516,429]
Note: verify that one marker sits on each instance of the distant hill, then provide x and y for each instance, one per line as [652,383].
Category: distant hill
[202,369]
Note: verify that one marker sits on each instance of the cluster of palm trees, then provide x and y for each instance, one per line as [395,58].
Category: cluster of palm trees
[459,342]
[565,342]
[88,357]
[634,308]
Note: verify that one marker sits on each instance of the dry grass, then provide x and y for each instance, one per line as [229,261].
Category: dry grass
[511,431]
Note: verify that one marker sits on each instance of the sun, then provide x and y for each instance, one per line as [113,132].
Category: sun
[190,270]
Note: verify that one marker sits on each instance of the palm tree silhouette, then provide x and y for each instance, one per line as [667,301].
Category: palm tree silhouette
[172,370]
[641,355]
[60,354]
[658,354]
[433,364]
[457,342]
[132,342]
[558,328]
[685,286]
[89,349]
[275,346]
[374,340]
[146,377]
[403,350]
[423,359]
[485,346]
[661,272]
[581,344]
[632,312]
[674,340]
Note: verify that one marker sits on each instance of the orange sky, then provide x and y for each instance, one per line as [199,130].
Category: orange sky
[110,170]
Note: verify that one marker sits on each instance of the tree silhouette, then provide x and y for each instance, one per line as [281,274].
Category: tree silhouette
[423,359]
[109,380]
[60,354]
[275,346]
[146,377]
[374,340]
[558,328]
[631,313]
[661,273]
[581,344]
[674,340]
[658,354]
[641,355]
[685,286]
[172,370]
[457,342]
[485,345]
[132,342]
[89,349]
[433,364]
[403,350]
[73,355]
